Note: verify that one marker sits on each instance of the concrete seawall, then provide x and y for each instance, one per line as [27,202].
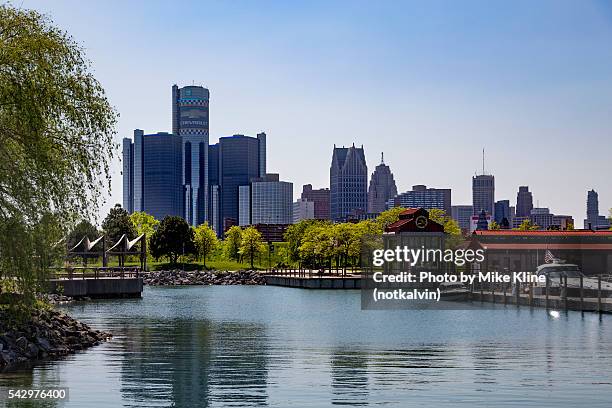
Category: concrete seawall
[97,288]
[315,282]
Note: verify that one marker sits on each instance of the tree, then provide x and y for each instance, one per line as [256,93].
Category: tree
[116,224]
[173,237]
[527,225]
[494,226]
[294,235]
[388,217]
[56,142]
[205,241]
[144,224]
[451,226]
[251,243]
[83,228]
[233,239]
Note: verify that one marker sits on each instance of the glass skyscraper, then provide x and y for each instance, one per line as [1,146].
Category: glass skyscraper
[348,182]
[152,174]
[190,121]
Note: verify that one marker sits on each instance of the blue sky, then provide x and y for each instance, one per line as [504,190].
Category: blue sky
[428,83]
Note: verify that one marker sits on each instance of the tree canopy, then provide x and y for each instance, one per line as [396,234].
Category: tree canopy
[173,237]
[116,224]
[251,244]
[56,142]
[205,241]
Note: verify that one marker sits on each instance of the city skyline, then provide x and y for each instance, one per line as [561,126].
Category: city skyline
[539,103]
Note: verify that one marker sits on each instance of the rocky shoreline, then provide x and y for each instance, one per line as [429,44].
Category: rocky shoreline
[47,333]
[179,278]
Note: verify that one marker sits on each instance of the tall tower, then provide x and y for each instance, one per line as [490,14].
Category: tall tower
[382,187]
[524,202]
[190,121]
[592,210]
[483,192]
[348,182]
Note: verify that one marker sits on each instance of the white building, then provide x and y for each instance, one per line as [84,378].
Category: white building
[303,210]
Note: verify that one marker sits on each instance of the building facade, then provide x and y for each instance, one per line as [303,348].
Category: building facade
[320,197]
[382,188]
[153,181]
[238,161]
[422,197]
[190,121]
[348,182]
[463,215]
[502,210]
[541,217]
[303,210]
[483,194]
[271,200]
[524,202]
[594,220]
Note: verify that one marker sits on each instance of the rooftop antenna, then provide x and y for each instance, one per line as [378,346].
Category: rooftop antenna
[483,167]
[382,157]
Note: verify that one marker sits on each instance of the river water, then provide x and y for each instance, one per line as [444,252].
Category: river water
[224,346]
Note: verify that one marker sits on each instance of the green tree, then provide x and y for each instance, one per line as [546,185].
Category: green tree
[173,237]
[318,245]
[527,225]
[494,226]
[56,143]
[233,239]
[251,244]
[388,217]
[451,227]
[206,241]
[144,224]
[116,224]
[294,235]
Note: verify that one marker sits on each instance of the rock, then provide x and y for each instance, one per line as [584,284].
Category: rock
[22,343]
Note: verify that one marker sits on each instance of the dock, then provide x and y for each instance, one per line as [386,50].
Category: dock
[98,283]
[313,280]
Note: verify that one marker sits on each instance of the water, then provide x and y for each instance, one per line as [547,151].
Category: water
[224,346]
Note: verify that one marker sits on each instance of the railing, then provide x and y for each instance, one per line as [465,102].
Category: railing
[312,273]
[88,272]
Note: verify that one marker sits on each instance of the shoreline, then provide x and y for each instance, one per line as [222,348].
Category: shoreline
[47,333]
[178,277]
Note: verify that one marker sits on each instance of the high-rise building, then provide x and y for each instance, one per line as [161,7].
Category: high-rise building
[303,210]
[190,121]
[541,217]
[152,182]
[594,220]
[524,202]
[348,182]
[213,187]
[462,214]
[270,200]
[382,187]
[483,194]
[320,198]
[422,197]
[128,175]
[502,210]
[239,161]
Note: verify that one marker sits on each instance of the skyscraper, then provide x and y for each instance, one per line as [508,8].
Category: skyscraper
[462,214]
[271,200]
[348,182]
[502,210]
[483,194]
[593,219]
[321,199]
[239,161]
[303,210]
[152,182]
[422,197]
[382,187]
[524,202]
[190,121]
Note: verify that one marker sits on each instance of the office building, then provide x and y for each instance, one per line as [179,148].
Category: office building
[463,215]
[128,175]
[594,220]
[483,194]
[271,201]
[238,161]
[152,182]
[502,210]
[562,222]
[320,198]
[382,187]
[524,202]
[348,182]
[422,197]
[541,217]
[190,121]
[303,210]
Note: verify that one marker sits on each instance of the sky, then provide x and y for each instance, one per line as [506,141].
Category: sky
[430,84]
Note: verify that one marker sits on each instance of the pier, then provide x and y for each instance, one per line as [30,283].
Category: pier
[98,283]
[307,279]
